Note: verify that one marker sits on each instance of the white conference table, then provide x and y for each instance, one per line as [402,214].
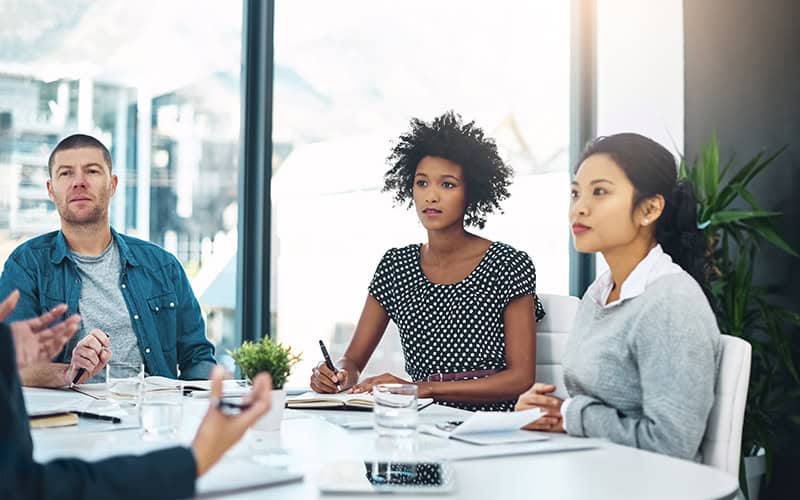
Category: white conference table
[310,442]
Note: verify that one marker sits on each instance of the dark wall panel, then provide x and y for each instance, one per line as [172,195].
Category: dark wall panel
[742,80]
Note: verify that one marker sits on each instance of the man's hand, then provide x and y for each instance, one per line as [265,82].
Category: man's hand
[34,340]
[92,354]
[8,305]
[218,432]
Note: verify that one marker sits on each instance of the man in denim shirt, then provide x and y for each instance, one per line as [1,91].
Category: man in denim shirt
[134,298]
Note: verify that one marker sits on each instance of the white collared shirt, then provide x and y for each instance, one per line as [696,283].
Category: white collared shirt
[656,264]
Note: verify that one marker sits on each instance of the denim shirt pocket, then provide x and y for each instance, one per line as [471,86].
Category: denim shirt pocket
[48,302]
[53,292]
[164,309]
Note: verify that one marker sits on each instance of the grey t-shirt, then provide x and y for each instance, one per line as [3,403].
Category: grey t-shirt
[102,306]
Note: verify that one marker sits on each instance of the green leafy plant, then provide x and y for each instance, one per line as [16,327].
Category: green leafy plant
[265,356]
[735,228]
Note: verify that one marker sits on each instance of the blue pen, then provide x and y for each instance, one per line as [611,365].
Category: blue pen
[328,361]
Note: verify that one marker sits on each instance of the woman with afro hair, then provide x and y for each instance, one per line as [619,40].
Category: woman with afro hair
[465,307]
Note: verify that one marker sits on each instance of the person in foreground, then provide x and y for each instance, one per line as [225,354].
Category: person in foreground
[465,307]
[134,299]
[643,356]
[167,473]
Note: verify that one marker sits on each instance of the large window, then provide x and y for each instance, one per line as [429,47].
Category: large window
[157,82]
[348,77]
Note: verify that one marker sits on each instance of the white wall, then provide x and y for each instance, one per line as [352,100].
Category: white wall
[640,73]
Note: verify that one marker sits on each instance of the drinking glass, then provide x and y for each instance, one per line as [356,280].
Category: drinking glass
[161,409]
[117,371]
[395,409]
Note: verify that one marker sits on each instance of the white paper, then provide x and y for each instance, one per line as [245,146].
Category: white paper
[231,476]
[486,428]
[497,421]
[552,445]
[230,388]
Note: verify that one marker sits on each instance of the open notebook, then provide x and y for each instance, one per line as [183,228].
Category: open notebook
[342,401]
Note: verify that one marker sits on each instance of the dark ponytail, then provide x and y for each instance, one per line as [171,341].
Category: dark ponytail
[652,170]
[677,232]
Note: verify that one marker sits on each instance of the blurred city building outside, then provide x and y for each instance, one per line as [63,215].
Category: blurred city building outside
[162,90]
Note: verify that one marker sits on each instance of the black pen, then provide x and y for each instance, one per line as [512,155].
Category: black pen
[236,407]
[96,416]
[328,362]
[425,406]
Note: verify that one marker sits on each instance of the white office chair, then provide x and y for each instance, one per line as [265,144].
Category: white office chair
[551,339]
[722,443]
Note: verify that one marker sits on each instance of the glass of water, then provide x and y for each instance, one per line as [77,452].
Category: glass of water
[117,371]
[395,409]
[161,409]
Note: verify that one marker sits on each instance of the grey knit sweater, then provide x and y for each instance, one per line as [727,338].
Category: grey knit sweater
[642,373]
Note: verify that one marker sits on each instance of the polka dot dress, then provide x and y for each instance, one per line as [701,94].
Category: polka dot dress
[458,327]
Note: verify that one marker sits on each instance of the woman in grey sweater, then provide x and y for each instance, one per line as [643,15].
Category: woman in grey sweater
[643,354]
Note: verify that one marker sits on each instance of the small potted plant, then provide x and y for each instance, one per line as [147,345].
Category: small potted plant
[275,359]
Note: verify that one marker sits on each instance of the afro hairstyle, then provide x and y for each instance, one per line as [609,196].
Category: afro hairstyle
[486,176]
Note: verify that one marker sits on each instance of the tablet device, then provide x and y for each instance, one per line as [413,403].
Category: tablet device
[373,476]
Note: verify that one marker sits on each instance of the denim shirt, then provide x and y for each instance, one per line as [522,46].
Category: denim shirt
[164,312]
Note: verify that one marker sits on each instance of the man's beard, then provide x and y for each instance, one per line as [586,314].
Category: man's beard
[92,218]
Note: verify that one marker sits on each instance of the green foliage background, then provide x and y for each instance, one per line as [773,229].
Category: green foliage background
[735,228]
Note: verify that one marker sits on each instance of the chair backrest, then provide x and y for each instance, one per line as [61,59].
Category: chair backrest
[551,339]
[722,443]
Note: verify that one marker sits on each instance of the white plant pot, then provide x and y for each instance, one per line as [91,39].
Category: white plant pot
[755,468]
[272,420]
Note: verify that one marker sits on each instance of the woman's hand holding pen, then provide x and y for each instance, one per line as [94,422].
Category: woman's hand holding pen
[219,431]
[325,381]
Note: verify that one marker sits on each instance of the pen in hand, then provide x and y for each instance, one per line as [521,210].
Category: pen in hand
[231,408]
[81,371]
[329,363]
